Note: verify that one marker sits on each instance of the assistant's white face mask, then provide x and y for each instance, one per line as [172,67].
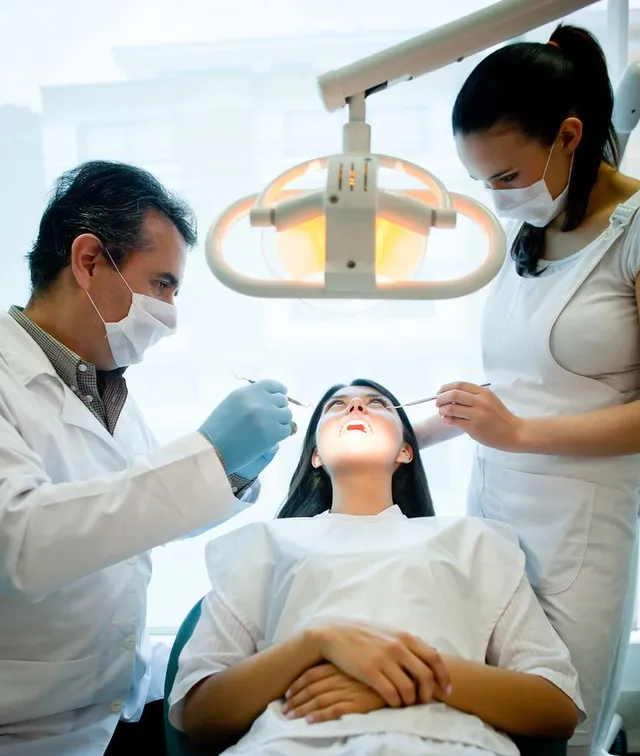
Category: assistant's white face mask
[532,204]
[147,321]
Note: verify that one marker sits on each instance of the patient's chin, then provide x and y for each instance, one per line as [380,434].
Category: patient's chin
[359,456]
[359,450]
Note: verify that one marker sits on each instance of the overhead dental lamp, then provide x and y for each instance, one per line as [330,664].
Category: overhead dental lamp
[354,239]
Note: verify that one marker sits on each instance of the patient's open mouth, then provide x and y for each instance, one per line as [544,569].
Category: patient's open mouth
[355,425]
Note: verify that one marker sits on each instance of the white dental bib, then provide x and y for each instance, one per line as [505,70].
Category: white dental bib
[447,581]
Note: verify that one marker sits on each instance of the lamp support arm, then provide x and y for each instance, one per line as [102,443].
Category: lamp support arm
[439,47]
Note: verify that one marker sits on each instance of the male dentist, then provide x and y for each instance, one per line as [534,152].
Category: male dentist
[85,492]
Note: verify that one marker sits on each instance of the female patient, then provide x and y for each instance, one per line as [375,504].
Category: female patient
[358,623]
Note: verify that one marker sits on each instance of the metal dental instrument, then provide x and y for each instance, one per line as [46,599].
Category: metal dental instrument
[291,401]
[428,399]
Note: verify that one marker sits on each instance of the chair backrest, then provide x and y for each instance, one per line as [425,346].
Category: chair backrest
[177,742]
[179,745]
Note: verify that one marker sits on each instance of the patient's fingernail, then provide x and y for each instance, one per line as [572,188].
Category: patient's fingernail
[449,690]
[287,694]
[290,714]
[311,719]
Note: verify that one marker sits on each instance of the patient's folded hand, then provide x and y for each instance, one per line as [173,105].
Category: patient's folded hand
[324,693]
[399,666]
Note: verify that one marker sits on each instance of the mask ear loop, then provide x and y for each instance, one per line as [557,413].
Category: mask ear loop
[97,310]
[546,167]
[108,254]
[573,154]
[117,269]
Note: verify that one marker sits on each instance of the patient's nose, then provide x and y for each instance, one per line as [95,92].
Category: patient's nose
[356,405]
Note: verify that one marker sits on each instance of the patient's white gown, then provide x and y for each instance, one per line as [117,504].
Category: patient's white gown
[459,584]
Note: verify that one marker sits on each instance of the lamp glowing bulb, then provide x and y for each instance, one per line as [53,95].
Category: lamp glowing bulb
[399,251]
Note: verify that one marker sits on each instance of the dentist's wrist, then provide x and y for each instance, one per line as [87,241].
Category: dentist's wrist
[216,450]
[239,484]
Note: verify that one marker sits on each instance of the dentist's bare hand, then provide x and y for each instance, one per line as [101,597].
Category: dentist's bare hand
[400,667]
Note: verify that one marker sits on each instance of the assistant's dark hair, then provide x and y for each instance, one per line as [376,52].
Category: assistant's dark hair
[110,200]
[535,87]
[310,491]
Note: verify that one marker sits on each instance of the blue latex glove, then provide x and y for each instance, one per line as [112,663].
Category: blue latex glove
[248,423]
[253,469]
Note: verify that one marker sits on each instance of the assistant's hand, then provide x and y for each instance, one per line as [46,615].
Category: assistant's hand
[400,667]
[324,692]
[249,423]
[479,413]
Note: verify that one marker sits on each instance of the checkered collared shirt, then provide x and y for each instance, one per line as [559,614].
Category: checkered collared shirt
[104,393]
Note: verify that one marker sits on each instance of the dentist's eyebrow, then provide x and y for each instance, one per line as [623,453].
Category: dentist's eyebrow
[169,280]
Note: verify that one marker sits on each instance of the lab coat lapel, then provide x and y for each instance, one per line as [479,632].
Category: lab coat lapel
[75,413]
[31,365]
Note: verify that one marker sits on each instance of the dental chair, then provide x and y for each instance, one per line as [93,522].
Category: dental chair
[179,745]
[177,742]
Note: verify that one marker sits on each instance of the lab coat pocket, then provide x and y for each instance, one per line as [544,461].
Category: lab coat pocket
[34,689]
[552,516]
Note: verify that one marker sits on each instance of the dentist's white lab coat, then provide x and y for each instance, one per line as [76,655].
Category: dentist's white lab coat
[79,510]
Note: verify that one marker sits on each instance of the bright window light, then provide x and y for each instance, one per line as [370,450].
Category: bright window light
[216,104]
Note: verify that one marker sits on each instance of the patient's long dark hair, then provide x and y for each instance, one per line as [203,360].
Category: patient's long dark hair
[310,491]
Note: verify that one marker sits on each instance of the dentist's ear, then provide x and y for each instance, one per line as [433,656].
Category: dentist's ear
[316,461]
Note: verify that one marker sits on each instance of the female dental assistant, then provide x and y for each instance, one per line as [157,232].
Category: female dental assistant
[559,432]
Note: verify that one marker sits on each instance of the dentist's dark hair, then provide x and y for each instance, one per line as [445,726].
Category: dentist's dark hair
[310,491]
[110,200]
[534,87]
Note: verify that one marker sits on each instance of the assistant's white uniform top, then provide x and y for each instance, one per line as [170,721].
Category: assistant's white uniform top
[562,343]
[79,510]
[572,346]
[456,583]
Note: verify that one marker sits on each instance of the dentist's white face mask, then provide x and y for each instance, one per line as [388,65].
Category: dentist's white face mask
[147,321]
[532,204]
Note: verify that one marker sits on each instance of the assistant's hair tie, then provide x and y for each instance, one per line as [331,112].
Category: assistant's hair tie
[555,44]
